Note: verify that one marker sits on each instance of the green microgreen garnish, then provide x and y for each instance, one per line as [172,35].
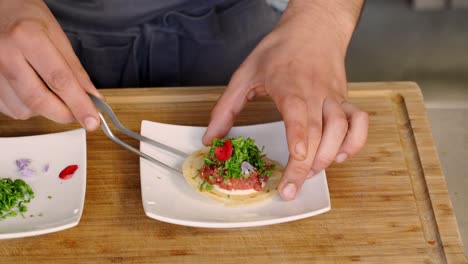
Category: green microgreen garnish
[244,149]
[204,185]
[208,161]
[13,197]
[208,187]
[201,185]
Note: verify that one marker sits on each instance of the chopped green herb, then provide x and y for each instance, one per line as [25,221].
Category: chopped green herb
[208,162]
[202,184]
[209,187]
[244,149]
[13,197]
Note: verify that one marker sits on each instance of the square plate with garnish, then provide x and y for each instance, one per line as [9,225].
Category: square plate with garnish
[54,167]
[168,197]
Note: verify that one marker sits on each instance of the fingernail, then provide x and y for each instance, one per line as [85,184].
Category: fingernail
[310,175]
[341,157]
[91,123]
[301,149]
[289,191]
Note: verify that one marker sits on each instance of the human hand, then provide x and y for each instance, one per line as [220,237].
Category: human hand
[300,64]
[39,71]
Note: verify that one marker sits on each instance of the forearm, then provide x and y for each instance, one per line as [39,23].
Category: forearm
[335,18]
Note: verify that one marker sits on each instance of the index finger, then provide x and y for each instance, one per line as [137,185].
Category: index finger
[54,70]
[229,104]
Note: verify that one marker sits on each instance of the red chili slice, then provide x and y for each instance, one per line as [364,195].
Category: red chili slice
[68,172]
[224,152]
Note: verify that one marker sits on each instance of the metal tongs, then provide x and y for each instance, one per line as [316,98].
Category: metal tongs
[105,108]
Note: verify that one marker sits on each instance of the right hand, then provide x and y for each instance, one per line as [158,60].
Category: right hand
[39,71]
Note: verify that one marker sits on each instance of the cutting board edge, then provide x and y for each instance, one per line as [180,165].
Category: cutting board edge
[412,115]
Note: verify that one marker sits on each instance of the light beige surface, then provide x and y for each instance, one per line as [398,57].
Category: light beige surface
[430,4]
[447,106]
[389,203]
[450,128]
[445,96]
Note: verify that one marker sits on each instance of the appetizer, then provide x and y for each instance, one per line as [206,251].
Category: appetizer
[233,171]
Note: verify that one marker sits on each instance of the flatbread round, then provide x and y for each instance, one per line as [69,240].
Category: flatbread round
[196,160]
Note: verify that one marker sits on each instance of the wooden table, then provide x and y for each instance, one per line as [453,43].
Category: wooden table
[389,203]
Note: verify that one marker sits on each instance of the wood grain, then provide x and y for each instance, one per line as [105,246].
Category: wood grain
[389,203]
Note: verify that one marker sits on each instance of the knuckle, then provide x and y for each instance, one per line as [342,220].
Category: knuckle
[357,144]
[361,116]
[58,80]
[315,129]
[25,28]
[9,56]
[34,100]
[296,127]
[300,171]
[9,74]
[322,161]
[341,124]
[291,101]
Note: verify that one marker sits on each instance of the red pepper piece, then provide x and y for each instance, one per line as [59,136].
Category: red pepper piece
[224,152]
[68,172]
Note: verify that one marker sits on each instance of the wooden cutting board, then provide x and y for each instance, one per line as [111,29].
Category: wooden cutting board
[389,203]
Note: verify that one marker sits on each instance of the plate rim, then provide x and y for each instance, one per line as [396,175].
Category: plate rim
[77,218]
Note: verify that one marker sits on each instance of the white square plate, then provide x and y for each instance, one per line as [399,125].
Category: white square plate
[168,198]
[58,204]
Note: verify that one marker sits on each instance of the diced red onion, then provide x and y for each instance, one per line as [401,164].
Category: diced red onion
[247,168]
[23,168]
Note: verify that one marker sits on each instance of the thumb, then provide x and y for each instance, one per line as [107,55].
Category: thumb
[230,104]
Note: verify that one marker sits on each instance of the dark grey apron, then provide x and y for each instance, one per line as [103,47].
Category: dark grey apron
[166,43]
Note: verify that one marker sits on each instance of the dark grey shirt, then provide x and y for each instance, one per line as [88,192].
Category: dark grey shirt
[118,13]
[148,43]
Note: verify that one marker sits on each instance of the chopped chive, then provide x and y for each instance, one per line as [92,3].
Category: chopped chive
[14,194]
[202,184]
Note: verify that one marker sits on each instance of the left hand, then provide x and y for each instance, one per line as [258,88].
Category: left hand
[300,64]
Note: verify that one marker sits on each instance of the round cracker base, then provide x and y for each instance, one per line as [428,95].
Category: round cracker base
[196,160]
